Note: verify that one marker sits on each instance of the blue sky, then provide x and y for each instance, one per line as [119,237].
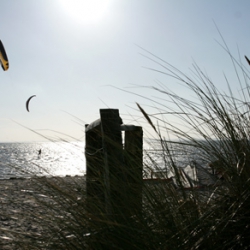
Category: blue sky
[70,59]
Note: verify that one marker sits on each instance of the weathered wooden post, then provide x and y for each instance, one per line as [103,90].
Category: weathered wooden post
[114,170]
[113,160]
[134,164]
[95,168]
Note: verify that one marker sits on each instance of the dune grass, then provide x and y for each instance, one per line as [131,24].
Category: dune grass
[174,218]
[214,123]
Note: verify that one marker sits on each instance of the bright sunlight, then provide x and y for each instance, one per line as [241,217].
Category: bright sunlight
[85,11]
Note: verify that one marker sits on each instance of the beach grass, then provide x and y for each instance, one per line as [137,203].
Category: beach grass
[216,124]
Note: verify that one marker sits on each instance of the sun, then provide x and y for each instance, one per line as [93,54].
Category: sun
[85,11]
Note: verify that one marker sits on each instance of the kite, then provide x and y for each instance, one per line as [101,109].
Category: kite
[28,101]
[3,57]
[247,60]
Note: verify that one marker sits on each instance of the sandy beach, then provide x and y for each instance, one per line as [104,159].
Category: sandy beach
[28,207]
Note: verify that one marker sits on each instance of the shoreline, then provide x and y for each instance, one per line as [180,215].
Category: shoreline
[42,176]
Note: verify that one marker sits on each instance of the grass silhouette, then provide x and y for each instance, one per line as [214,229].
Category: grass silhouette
[172,217]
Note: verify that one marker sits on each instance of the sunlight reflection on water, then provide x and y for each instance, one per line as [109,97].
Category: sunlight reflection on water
[56,158]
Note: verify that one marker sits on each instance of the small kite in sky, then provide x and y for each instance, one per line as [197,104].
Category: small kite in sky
[28,101]
[3,57]
[247,60]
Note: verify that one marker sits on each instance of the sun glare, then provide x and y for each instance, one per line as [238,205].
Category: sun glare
[85,11]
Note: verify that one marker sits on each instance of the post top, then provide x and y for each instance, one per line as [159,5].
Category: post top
[93,125]
[125,127]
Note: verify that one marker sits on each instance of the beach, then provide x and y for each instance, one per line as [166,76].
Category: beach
[29,208]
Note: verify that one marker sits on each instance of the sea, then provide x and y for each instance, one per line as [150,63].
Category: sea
[191,161]
[68,159]
[41,159]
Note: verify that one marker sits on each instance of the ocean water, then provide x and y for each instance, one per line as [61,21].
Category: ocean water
[184,157]
[56,159]
[62,158]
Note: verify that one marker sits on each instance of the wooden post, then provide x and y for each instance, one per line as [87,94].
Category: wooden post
[95,169]
[114,173]
[134,165]
[113,160]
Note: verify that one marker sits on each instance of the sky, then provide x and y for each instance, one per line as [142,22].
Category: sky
[78,57]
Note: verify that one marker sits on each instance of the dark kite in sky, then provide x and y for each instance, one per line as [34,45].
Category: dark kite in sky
[28,101]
